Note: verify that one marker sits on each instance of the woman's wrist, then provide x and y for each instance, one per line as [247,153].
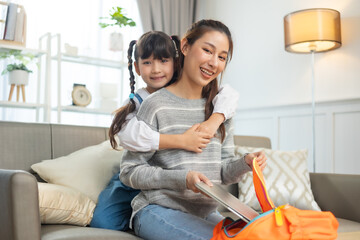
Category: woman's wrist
[247,159]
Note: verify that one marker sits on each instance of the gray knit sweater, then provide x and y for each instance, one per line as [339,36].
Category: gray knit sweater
[161,175]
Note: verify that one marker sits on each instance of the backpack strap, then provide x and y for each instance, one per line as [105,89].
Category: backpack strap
[260,188]
[139,98]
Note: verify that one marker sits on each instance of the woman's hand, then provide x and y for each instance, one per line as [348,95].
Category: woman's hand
[260,158]
[193,177]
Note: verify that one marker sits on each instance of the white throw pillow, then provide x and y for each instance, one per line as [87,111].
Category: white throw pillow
[87,170]
[286,177]
[63,205]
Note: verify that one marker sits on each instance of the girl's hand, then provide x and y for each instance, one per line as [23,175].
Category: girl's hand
[193,140]
[211,125]
[260,158]
[193,177]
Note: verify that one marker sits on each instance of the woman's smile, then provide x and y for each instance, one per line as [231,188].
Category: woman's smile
[206,73]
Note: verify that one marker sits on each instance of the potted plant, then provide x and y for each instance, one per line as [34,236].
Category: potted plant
[17,69]
[117,18]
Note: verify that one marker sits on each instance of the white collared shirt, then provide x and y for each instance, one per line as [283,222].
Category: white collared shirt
[137,136]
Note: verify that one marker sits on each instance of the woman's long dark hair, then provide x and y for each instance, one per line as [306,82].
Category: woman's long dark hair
[153,43]
[196,31]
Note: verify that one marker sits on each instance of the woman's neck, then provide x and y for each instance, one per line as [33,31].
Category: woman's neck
[185,88]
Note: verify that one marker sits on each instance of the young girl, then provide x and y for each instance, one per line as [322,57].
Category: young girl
[169,205]
[157,62]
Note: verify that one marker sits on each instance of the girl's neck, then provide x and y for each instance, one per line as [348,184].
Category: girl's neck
[150,89]
[185,88]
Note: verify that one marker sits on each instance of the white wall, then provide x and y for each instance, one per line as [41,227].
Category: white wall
[275,86]
[290,128]
[267,75]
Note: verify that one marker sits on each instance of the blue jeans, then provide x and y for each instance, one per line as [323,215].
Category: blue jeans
[157,222]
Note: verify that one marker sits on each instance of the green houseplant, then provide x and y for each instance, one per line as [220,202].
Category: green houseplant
[117,18]
[19,61]
[17,69]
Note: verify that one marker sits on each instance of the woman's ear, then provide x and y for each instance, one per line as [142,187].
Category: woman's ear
[137,70]
[184,46]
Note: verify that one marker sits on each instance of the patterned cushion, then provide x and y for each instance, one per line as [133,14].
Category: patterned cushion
[287,179]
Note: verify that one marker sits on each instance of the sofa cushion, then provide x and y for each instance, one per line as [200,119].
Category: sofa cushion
[87,170]
[287,179]
[68,232]
[59,205]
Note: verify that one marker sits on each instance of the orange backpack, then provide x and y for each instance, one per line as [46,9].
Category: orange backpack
[284,222]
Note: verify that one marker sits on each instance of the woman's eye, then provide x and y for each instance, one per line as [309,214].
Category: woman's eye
[207,50]
[222,58]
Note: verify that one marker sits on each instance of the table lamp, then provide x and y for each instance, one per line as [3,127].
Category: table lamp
[312,31]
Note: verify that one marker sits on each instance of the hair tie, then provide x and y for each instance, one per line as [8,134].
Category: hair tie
[131,96]
[176,50]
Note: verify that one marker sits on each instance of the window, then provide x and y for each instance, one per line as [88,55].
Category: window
[78,24]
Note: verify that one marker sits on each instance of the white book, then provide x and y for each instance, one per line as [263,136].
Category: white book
[3,14]
[11,22]
[20,25]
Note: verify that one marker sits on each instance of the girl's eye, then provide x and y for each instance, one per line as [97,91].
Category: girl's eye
[164,60]
[147,62]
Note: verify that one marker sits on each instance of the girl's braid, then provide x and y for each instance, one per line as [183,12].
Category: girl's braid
[130,66]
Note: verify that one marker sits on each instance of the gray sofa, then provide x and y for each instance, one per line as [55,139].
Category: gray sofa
[23,144]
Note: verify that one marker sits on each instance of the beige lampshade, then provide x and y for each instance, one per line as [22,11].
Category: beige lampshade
[315,30]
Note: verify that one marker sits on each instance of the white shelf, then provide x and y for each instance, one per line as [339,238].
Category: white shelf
[20,105]
[91,61]
[84,110]
[60,57]
[42,79]
[36,52]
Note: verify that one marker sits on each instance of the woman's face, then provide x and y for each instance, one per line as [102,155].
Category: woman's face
[206,58]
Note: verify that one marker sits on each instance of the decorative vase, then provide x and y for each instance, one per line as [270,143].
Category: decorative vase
[116,41]
[18,77]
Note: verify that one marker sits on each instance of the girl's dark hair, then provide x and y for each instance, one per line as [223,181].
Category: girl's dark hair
[196,31]
[153,43]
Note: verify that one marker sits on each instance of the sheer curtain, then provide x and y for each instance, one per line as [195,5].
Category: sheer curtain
[172,17]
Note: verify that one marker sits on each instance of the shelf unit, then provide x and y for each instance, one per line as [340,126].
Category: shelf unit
[90,61]
[21,43]
[42,51]
[84,110]
[78,59]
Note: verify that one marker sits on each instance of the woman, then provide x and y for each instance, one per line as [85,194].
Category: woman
[169,205]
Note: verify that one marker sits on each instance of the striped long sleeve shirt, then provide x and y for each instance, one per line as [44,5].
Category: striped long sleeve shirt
[161,175]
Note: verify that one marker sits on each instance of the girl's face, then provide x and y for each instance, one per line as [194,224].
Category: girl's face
[156,73]
[206,58]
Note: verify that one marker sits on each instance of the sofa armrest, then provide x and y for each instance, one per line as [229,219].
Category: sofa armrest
[19,204]
[338,193]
